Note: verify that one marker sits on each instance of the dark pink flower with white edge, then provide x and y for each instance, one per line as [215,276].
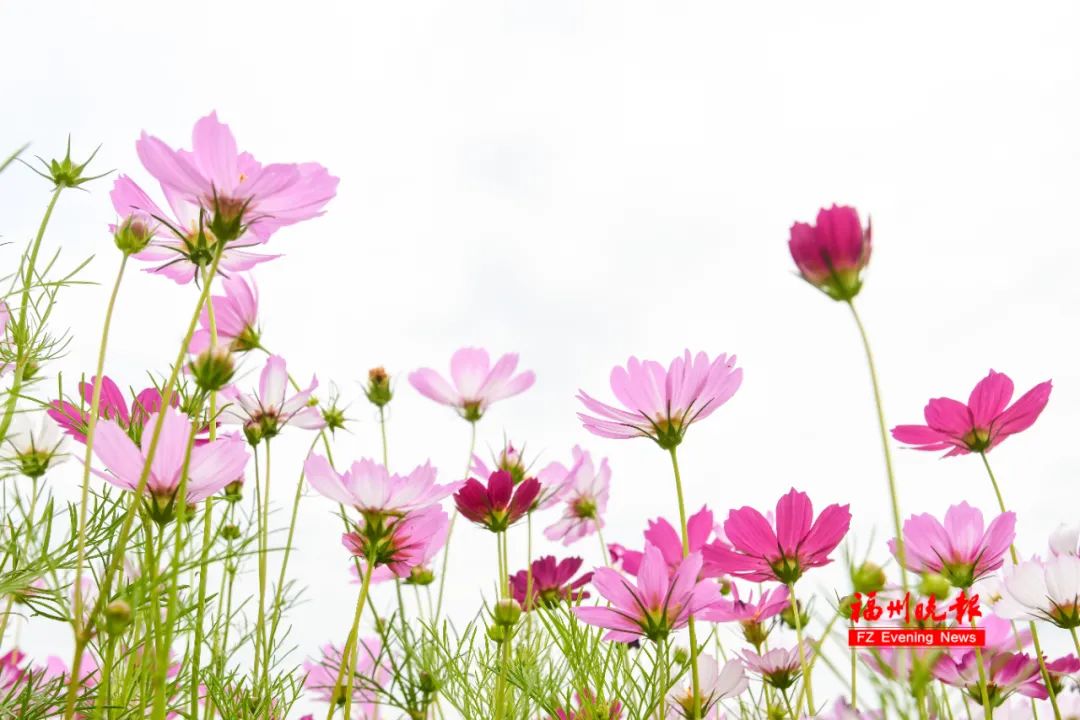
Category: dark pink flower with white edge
[499,504]
[663,535]
[656,604]
[236,318]
[981,424]
[584,495]
[769,604]
[400,543]
[112,405]
[779,667]
[962,548]
[831,254]
[211,466]
[781,550]
[181,246]
[1006,673]
[662,403]
[370,488]
[236,192]
[265,413]
[476,382]
[552,582]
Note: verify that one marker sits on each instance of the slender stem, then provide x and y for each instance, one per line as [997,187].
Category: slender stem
[264,532]
[988,710]
[694,673]
[24,304]
[818,653]
[528,563]
[854,676]
[382,432]
[883,429]
[348,655]
[91,427]
[606,556]
[802,652]
[1031,625]
[120,548]
[450,531]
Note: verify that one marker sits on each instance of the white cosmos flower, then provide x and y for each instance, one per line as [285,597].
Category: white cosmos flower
[716,684]
[35,447]
[1048,591]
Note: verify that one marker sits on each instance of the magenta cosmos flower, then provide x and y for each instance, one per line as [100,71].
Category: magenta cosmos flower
[237,192]
[236,318]
[180,244]
[400,543]
[552,583]
[961,549]
[476,383]
[553,477]
[498,505]
[111,406]
[370,674]
[660,602]
[982,424]
[1006,673]
[769,604]
[212,466]
[716,684]
[781,550]
[665,538]
[584,493]
[373,490]
[662,404]
[779,667]
[263,415]
[831,254]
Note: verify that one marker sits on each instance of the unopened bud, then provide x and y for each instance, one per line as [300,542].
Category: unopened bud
[378,388]
[788,617]
[234,491]
[755,633]
[868,578]
[230,532]
[428,683]
[936,585]
[506,613]
[420,575]
[133,235]
[213,368]
[499,633]
[117,617]
[682,655]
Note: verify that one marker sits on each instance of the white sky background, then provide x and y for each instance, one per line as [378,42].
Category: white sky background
[582,182]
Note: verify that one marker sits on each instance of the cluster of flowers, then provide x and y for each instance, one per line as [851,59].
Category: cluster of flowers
[181,444]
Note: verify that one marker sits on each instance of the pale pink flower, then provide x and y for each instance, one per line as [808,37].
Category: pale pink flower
[715,684]
[779,667]
[1006,673]
[371,489]
[1048,591]
[659,603]
[961,549]
[236,318]
[370,674]
[477,383]
[1065,539]
[662,404]
[182,244]
[769,604]
[400,543]
[980,425]
[233,188]
[831,254]
[211,467]
[584,493]
[265,413]
[662,535]
[782,550]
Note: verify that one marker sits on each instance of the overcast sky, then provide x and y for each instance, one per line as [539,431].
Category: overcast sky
[580,182]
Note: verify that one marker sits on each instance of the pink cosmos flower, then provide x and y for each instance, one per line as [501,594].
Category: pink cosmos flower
[769,604]
[779,667]
[782,550]
[662,404]
[237,192]
[552,583]
[980,425]
[369,675]
[477,383]
[400,543]
[662,535]
[1006,673]
[264,414]
[212,466]
[842,710]
[961,549]
[660,603]
[371,489]
[831,254]
[236,316]
[716,684]
[181,243]
[498,505]
[111,406]
[584,493]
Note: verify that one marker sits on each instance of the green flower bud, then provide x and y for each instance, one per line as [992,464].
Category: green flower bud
[133,235]
[420,576]
[117,617]
[506,613]
[788,617]
[428,683]
[682,655]
[755,633]
[378,389]
[499,633]
[868,578]
[213,368]
[230,532]
[234,491]
[936,585]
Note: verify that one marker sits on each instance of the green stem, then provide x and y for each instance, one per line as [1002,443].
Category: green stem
[450,531]
[606,556]
[802,652]
[264,533]
[349,654]
[382,432]
[117,560]
[694,673]
[988,710]
[883,429]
